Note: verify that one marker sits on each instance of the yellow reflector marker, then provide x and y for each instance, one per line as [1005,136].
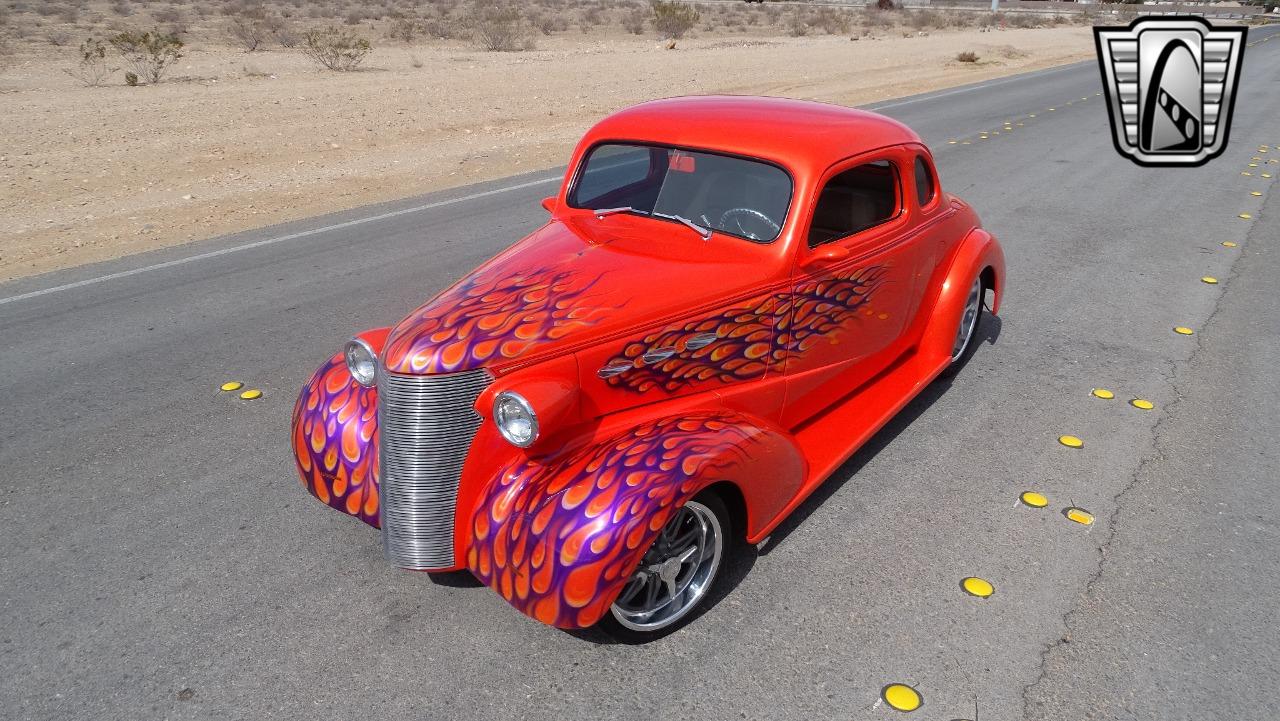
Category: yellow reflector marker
[951,142]
[1071,441]
[901,697]
[1102,393]
[1079,515]
[1246,216]
[1033,499]
[1209,279]
[979,587]
[1032,115]
[250,395]
[232,386]
[1145,405]
[967,142]
[1253,165]
[1266,175]
[1228,244]
[1183,330]
[1255,193]
[1245,172]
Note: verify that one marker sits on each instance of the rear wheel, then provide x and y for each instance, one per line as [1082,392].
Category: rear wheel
[676,573]
[970,315]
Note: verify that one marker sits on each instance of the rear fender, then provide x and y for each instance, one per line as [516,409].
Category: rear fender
[335,437]
[557,537]
[975,254]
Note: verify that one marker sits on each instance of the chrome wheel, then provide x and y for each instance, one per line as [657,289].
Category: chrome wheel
[968,320]
[675,573]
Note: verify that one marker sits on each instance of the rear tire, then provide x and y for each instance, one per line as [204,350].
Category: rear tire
[676,575]
[970,319]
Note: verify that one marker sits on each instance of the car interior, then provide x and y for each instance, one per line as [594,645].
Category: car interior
[853,201]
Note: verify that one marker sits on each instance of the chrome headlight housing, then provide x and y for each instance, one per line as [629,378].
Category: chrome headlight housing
[515,419]
[362,362]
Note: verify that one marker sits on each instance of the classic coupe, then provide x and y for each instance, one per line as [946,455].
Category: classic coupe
[731,295]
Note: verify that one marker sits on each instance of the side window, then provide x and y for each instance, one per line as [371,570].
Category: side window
[855,200]
[925,187]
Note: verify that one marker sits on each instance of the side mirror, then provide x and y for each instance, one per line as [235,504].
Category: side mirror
[826,255]
[549,203]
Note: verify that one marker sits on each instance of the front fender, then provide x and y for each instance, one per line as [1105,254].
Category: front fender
[335,437]
[558,537]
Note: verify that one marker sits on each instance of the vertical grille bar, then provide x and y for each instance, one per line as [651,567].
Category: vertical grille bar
[425,427]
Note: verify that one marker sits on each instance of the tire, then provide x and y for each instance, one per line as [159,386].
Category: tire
[970,320]
[646,608]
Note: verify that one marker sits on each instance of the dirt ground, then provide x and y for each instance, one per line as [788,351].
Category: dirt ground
[238,140]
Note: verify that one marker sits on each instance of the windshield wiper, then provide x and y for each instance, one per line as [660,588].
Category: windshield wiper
[614,211]
[704,232]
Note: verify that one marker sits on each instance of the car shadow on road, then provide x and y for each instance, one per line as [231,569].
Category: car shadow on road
[987,333]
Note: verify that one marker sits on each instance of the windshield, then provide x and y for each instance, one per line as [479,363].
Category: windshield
[742,197]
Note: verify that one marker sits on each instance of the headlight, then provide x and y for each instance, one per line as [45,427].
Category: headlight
[515,418]
[362,362]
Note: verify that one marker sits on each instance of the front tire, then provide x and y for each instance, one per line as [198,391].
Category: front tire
[676,574]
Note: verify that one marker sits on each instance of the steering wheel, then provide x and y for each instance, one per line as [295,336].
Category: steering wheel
[737,215]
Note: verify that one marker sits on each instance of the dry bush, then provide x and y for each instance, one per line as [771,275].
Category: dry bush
[496,27]
[170,15]
[335,48]
[673,19]
[886,5]
[1023,20]
[122,8]
[283,32]
[798,25]
[441,28]
[634,21]
[924,19]
[968,56]
[880,19]
[149,53]
[404,29]
[549,22]
[830,20]
[248,29]
[58,38]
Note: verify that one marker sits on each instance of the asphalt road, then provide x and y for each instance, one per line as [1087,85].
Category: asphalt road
[161,561]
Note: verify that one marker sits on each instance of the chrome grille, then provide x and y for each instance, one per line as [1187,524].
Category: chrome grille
[425,426]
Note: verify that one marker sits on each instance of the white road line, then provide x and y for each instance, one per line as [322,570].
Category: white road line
[971,88]
[272,241]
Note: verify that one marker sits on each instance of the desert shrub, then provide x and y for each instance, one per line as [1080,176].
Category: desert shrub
[830,20]
[404,29]
[283,32]
[92,70]
[549,22]
[1024,20]
[922,19]
[886,5]
[335,48]
[131,79]
[69,14]
[634,21]
[248,29]
[673,19]
[798,25]
[875,18]
[170,14]
[968,56]
[149,53]
[496,27]
[441,28]
[122,8]
[58,38]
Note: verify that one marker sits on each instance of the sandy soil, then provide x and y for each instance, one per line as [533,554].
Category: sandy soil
[238,141]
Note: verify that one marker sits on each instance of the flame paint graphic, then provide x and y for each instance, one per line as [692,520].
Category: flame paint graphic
[335,441]
[557,539]
[490,318]
[751,337]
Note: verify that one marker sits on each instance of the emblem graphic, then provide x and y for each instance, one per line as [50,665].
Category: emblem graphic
[1170,83]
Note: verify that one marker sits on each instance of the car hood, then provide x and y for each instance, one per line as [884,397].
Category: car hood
[569,283]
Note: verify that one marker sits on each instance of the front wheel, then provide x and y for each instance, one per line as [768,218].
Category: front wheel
[675,574]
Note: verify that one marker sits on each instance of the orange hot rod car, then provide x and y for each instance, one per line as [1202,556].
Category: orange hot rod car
[731,296]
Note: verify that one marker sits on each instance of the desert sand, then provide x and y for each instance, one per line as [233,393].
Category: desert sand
[237,140]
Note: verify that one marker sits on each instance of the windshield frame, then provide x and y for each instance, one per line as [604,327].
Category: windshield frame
[586,156]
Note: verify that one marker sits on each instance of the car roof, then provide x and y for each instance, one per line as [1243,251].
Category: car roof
[796,133]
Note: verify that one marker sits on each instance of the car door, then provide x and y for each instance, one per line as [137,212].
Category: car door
[857,273]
